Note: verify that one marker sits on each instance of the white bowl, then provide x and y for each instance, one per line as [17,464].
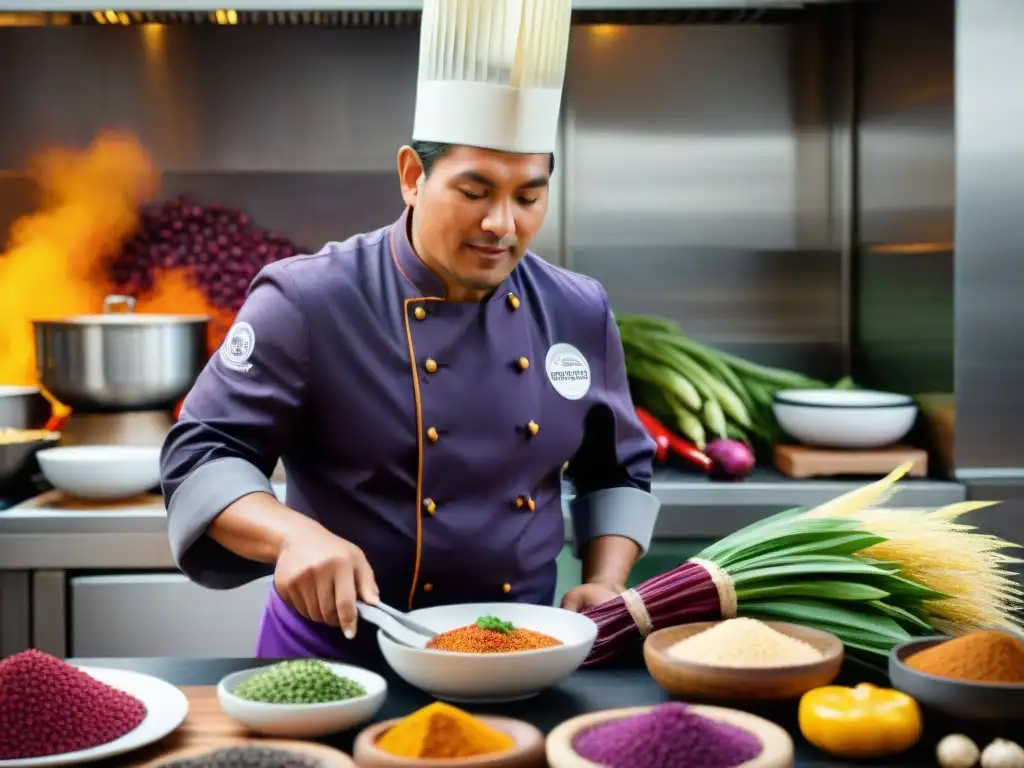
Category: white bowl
[101,471]
[305,720]
[492,677]
[844,418]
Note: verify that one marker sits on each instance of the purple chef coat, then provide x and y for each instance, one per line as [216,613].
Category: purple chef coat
[431,434]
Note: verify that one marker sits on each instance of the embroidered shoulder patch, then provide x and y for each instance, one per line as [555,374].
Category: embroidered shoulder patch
[238,347]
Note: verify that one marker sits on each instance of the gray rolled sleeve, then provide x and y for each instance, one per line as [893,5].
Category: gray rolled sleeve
[204,494]
[623,511]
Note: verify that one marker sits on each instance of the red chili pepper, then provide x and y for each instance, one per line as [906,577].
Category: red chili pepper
[670,443]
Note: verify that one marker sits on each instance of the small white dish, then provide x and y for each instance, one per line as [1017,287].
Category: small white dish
[492,677]
[166,709]
[298,721]
[844,418]
[101,472]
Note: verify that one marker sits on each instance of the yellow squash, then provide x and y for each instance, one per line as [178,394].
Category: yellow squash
[860,722]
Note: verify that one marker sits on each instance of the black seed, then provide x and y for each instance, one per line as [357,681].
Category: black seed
[247,757]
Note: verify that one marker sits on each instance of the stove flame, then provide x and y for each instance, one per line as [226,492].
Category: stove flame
[54,263]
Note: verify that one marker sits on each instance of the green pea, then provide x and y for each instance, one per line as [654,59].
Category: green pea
[305,681]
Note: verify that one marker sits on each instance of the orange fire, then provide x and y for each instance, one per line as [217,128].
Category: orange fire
[53,263]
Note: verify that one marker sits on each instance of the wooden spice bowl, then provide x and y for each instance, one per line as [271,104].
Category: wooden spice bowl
[776,744]
[705,681]
[528,751]
[960,699]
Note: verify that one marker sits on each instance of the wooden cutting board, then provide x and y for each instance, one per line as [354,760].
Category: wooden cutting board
[207,728]
[801,461]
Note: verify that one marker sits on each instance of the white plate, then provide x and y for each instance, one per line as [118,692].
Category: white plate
[492,677]
[166,708]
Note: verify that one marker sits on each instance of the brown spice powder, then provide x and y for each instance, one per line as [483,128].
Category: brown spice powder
[979,657]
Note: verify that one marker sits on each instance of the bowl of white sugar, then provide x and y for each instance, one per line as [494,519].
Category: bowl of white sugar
[742,659]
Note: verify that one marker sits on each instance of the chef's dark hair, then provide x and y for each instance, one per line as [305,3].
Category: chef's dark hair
[431,151]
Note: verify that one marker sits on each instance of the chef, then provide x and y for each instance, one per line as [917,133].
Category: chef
[427,385]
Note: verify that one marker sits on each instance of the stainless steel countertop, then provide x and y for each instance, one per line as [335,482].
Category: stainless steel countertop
[692,508]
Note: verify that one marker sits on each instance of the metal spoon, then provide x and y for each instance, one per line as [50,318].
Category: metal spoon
[396,624]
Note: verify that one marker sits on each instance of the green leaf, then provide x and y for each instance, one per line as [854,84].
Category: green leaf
[826,589]
[839,543]
[907,589]
[804,567]
[751,533]
[494,624]
[901,615]
[805,538]
[830,616]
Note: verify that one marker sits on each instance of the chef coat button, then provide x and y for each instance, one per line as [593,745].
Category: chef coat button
[427,587]
[432,435]
[520,502]
[419,313]
[506,588]
[430,365]
[532,427]
[513,301]
[531,504]
[523,363]
[429,506]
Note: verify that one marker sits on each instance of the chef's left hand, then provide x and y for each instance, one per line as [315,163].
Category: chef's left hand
[588,595]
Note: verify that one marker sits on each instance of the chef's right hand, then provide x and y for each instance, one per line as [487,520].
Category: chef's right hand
[320,575]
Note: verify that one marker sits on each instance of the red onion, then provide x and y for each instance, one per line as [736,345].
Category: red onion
[730,459]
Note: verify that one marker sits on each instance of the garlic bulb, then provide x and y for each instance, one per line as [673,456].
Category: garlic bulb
[957,751]
[1002,754]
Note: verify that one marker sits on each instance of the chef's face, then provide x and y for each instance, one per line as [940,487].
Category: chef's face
[476,213]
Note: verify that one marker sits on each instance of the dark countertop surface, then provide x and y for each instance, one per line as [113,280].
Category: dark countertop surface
[586,691]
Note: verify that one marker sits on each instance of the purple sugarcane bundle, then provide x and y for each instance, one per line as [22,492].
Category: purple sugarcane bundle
[685,594]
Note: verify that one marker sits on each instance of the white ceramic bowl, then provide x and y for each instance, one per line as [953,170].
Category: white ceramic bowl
[492,677]
[844,418]
[101,471]
[305,720]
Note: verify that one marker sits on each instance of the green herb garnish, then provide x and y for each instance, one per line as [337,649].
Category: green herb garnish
[494,624]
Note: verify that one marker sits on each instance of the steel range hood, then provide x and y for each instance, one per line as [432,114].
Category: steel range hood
[387,13]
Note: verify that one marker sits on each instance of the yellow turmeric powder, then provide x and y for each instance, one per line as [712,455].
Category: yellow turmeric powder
[441,730]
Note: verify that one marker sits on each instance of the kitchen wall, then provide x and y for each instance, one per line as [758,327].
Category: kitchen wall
[906,190]
[989,237]
[703,194]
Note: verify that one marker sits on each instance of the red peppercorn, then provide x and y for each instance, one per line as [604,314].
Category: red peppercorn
[48,707]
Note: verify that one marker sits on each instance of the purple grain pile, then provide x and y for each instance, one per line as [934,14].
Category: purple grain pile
[48,707]
[669,736]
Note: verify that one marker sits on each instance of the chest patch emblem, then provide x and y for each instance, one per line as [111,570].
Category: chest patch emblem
[238,347]
[568,371]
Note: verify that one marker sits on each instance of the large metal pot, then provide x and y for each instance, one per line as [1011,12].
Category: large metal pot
[23,408]
[120,361]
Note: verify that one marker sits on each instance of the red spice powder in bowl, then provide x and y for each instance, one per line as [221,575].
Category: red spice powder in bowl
[48,707]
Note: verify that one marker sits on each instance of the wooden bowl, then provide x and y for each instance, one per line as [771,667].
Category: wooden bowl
[776,752]
[528,751]
[327,756]
[703,681]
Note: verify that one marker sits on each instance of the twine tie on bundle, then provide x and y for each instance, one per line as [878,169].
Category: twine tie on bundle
[637,609]
[723,583]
